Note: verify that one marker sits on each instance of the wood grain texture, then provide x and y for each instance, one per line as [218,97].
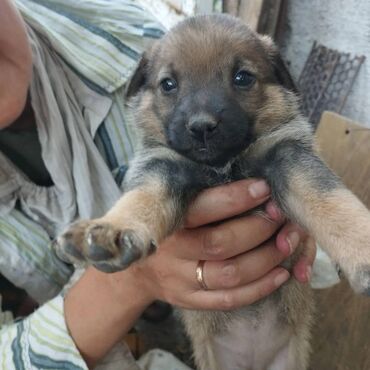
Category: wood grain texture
[262,16]
[341,337]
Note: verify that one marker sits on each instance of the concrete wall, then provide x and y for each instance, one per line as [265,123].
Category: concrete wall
[340,24]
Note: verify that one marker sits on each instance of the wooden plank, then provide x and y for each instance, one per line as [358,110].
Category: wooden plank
[345,146]
[250,12]
[269,17]
[260,15]
[231,7]
[341,334]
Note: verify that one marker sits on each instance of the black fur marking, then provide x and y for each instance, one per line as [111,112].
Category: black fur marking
[282,74]
[294,156]
[182,177]
[139,79]
[234,130]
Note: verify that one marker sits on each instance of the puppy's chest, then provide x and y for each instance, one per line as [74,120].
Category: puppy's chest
[201,176]
[251,341]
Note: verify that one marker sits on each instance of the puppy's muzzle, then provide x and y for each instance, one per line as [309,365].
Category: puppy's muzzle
[202,126]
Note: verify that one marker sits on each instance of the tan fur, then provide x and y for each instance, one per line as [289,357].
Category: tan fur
[274,331]
[338,221]
[144,209]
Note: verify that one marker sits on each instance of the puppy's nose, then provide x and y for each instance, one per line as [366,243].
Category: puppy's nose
[202,127]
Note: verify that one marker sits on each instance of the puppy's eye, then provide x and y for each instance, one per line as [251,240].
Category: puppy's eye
[168,85]
[243,79]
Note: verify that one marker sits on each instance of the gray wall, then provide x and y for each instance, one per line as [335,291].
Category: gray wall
[338,24]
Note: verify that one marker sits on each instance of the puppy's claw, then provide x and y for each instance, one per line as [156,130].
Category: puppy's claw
[131,247]
[107,267]
[98,253]
[100,241]
[66,251]
[104,246]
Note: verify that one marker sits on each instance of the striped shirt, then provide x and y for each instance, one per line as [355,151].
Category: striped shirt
[83,53]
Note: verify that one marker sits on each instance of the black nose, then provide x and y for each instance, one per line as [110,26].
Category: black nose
[202,128]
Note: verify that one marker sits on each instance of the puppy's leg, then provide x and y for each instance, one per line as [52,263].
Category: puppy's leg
[150,210]
[313,196]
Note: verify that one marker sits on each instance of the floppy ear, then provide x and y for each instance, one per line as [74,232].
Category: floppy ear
[138,79]
[282,74]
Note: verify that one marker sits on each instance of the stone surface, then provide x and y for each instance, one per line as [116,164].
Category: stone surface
[337,24]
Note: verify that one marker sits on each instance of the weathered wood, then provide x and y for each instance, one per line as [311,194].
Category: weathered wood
[250,12]
[341,335]
[345,146]
[260,15]
[269,17]
[231,7]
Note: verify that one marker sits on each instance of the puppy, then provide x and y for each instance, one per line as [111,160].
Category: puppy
[212,103]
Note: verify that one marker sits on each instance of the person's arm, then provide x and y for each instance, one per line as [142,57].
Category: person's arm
[15,64]
[101,308]
[39,341]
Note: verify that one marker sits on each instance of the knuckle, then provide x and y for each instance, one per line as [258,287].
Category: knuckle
[230,276]
[228,193]
[262,291]
[227,301]
[215,241]
[162,276]
[234,195]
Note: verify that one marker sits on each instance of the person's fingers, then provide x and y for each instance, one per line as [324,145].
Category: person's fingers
[289,237]
[243,269]
[303,268]
[224,240]
[226,201]
[230,299]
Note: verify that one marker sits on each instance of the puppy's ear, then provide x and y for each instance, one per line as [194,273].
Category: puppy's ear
[138,79]
[281,72]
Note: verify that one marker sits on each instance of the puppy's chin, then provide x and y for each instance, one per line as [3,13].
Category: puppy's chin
[210,156]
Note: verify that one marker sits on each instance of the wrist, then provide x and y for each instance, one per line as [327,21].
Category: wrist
[100,309]
[119,282]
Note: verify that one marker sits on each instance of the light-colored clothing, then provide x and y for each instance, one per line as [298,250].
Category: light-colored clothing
[83,53]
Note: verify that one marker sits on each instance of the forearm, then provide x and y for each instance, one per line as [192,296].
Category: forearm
[100,309]
[15,63]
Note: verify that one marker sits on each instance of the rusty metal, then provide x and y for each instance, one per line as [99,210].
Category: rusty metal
[326,80]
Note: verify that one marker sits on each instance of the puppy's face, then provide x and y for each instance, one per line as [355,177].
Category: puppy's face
[210,88]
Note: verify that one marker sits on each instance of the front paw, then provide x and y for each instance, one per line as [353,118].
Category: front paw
[102,245]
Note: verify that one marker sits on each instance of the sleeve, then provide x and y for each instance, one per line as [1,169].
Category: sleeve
[40,341]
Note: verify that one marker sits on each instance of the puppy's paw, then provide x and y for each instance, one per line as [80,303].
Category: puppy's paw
[102,245]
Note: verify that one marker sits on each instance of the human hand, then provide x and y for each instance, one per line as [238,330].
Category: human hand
[242,257]
[242,254]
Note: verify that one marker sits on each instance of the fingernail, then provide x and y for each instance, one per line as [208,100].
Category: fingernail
[259,189]
[293,241]
[281,278]
[308,273]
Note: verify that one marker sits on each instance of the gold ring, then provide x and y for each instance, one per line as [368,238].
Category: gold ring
[199,275]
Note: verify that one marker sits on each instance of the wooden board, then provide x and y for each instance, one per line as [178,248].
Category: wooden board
[341,336]
[260,15]
[345,146]
[250,11]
